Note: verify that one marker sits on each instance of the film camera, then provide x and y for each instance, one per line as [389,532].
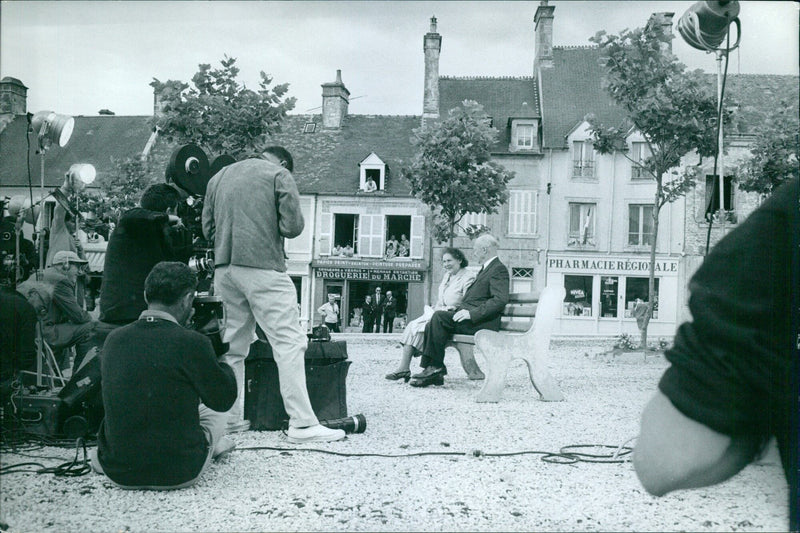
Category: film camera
[189,171]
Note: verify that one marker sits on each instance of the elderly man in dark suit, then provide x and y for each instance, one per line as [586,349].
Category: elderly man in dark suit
[481,308]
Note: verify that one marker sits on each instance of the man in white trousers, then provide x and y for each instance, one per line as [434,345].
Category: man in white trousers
[250,207]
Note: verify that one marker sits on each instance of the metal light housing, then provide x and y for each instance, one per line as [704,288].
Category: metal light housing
[52,128]
[705,25]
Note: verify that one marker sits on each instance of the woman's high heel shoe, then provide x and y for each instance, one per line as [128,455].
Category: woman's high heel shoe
[394,376]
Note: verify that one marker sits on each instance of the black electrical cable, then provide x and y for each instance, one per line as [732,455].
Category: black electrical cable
[709,206]
[564,456]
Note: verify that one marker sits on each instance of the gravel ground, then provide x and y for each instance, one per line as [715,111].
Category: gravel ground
[264,490]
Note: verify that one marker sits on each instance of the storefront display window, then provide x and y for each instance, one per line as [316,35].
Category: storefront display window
[638,288]
[578,301]
[609,287]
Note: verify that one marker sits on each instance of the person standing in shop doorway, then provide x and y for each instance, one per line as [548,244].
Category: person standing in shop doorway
[379,301]
[389,312]
[330,313]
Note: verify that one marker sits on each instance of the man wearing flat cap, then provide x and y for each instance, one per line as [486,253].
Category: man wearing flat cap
[64,323]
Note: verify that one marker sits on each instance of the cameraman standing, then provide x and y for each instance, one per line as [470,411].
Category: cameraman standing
[145,236]
[257,199]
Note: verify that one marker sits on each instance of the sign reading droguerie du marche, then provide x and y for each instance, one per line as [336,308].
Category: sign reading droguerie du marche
[368,274]
[612,265]
[397,270]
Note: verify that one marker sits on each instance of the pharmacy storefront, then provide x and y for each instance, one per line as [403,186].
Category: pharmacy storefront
[602,291]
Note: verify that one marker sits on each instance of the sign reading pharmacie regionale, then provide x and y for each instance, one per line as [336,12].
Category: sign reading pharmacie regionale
[611,265]
[397,270]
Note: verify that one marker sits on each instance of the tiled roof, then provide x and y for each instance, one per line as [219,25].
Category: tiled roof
[757,96]
[95,140]
[501,98]
[570,90]
[326,161]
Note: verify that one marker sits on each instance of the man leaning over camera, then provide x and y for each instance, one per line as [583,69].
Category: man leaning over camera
[144,236]
[155,372]
[257,200]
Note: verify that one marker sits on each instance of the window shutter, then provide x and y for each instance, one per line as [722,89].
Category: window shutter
[370,236]
[325,229]
[417,237]
[364,235]
[377,235]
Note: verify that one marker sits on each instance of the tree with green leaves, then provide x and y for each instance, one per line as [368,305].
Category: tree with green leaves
[218,113]
[775,153]
[675,111]
[452,171]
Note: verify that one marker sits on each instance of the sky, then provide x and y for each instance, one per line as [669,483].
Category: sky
[79,57]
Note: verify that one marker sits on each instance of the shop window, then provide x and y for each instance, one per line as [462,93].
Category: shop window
[638,288]
[582,159]
[712,196]
[639,153]
[609,292]
[640,224]
[345,235]
[521,279]
[522,212]
[578,301]
[581,224]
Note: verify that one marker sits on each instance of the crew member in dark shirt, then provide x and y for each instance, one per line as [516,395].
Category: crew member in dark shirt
[144,236]
[733,382]
[155,372]
[17,334]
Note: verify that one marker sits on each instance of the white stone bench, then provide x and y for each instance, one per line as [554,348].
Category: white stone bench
[527,339]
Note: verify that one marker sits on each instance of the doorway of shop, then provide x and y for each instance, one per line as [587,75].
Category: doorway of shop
[357,290]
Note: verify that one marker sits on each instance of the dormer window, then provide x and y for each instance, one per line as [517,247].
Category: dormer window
[524,135]
[583,159]
[372,174]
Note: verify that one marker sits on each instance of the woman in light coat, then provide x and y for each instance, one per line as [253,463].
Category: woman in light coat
[455,283]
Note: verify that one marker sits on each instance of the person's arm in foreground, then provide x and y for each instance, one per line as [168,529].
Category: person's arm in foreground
[675,452]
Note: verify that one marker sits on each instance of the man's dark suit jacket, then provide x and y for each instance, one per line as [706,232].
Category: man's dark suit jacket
[486,298]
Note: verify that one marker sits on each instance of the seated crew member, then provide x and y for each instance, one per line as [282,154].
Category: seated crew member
[481,308]
[144,236]
[155,372]
[17,338]
[64,322]
[733,382]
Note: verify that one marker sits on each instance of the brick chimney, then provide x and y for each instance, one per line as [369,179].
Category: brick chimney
[432,46]
[13,97]
[335,99]
[543,19]
[662,21]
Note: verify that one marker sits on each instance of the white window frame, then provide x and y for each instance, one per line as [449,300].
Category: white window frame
[639,152]
[587,216]
[642,209]
[522,206]
[372,162]
[583,160]
[325,233]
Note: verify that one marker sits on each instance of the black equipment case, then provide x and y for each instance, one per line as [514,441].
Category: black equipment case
[326,373]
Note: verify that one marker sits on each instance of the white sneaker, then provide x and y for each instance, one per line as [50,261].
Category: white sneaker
[224,447]
[318,433]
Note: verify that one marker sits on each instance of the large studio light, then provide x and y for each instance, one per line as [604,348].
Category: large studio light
[52,128]
[705,25]
[80,175]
